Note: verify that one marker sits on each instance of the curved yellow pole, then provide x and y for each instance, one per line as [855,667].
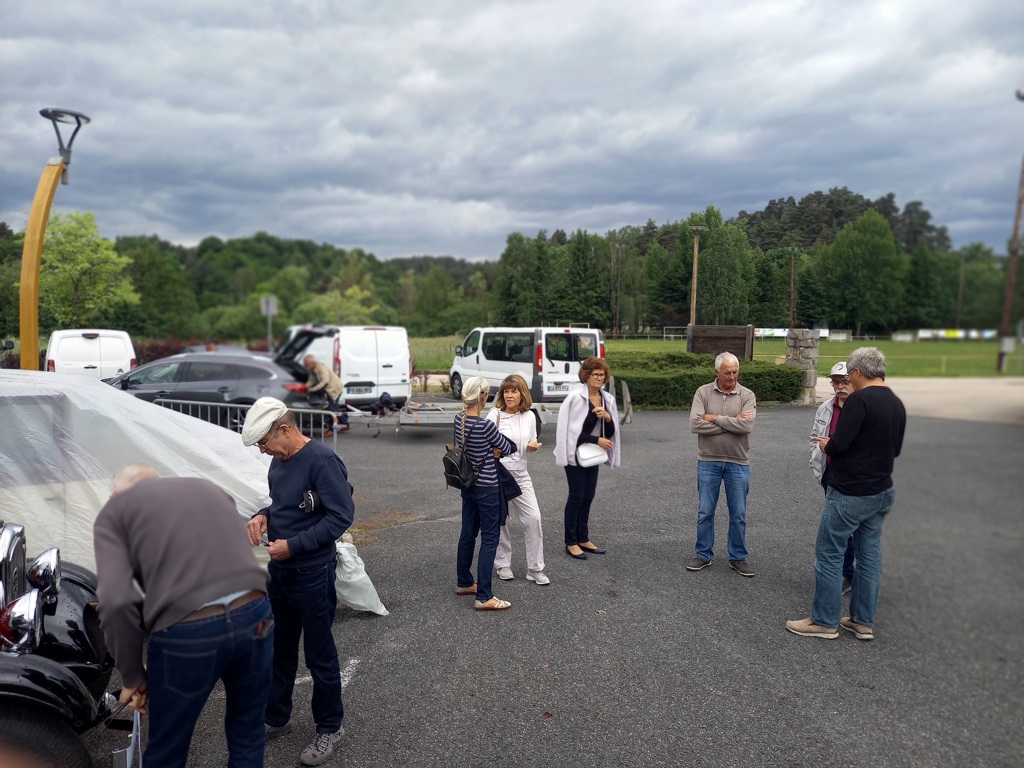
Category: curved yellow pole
[31,254]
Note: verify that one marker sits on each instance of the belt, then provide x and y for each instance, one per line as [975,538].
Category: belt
[217,610]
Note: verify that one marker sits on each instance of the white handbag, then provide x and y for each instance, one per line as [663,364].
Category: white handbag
[591,454]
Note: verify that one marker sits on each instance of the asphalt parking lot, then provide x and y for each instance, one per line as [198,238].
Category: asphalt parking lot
[630,660]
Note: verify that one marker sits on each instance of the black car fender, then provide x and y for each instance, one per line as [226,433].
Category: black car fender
[42,685]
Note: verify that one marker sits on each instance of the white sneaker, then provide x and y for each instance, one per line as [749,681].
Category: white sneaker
[322,747]
[505,574]
[538,577]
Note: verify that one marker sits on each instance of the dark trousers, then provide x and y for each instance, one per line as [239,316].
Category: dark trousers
[186,660]
[582,487]
[304,601]
[481,512]
[850,557]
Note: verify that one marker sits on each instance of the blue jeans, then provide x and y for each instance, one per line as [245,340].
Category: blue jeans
[710,476]
[304,601]
[843,517]
[850,558]
[481,511]
[184,663]
[582,487]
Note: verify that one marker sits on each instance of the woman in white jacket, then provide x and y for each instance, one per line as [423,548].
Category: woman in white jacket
[516,421]
[588,415]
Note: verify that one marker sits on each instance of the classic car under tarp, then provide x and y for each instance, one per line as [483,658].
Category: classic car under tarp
[62,438]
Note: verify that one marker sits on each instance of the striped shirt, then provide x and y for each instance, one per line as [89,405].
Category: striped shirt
[482,437]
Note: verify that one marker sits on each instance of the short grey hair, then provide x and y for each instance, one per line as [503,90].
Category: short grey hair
[869,361]
[726,357]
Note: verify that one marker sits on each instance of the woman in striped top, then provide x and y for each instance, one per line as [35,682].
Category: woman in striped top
[481,504]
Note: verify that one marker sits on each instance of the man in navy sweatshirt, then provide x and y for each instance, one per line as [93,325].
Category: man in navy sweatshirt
[301,529]
[862,450]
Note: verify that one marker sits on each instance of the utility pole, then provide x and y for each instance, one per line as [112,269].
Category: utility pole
[1005,340]
[697,229]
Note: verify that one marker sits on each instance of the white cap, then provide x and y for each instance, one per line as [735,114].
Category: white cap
[839,369]
[261,418]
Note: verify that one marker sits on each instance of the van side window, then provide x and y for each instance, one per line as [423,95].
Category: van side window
[519,347]
[558,346]
[494,346]
[471,344]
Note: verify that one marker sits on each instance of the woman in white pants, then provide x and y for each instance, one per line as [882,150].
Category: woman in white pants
[516,421]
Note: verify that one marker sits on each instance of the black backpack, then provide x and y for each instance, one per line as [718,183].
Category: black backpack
[459,471]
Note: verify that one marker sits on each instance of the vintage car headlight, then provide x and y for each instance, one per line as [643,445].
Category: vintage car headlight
[44,575]
[21,623]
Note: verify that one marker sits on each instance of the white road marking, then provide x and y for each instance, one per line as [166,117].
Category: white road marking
[347,673]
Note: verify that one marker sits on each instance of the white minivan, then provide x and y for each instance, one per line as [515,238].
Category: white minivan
[369,359]
[548,358]
[95,352]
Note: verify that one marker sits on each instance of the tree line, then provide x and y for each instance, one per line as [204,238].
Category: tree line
[833,259]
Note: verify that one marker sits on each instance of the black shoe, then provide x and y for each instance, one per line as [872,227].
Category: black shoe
[593,550]
[741,567]
[580,556]
[696,563]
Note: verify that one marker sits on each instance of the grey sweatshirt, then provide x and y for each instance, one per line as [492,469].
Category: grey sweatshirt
[728,438]
[184,542]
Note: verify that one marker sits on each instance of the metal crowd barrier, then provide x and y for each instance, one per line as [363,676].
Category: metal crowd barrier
[310,421]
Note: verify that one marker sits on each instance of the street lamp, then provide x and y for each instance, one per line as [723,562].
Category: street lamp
[697,229]
[1011,270]
[56,168]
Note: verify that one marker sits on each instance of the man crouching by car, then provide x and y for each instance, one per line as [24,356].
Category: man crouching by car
[311,506]
[172,561]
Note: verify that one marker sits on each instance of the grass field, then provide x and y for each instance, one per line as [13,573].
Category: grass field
[916,358]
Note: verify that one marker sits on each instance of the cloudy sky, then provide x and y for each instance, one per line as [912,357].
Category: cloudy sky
[439,127]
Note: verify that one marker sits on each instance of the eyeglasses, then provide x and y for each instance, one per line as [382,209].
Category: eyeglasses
[840,382]
[597,375]
[267,437]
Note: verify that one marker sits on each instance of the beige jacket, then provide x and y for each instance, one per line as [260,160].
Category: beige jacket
[323,378]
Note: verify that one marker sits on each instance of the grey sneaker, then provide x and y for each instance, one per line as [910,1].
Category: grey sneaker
[322,747]
[505,573]
[273,731]
[741,567]
[538,577]
[860,631]
[696,563]
[847,586]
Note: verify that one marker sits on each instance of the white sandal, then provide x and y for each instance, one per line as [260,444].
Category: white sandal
[494,604]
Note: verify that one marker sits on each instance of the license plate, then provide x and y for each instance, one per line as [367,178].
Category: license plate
[558,388]
[358,390]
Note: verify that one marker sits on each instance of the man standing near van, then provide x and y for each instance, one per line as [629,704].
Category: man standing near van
[323,379]
[722,416]
[311,506]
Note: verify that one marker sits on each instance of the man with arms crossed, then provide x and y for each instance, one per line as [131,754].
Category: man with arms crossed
[172,561]
[825,419]
[722,416]
[862,451]
[301,529]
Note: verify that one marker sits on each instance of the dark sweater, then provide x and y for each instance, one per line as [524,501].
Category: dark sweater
[311,537]
[867,440]
[184,542]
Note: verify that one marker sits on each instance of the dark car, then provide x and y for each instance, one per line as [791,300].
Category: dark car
[217,381]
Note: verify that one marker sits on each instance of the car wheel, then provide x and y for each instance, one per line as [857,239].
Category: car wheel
[235,418]
[39,741]
[456,382]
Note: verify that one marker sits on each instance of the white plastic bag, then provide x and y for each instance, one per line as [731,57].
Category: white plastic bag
[353,586]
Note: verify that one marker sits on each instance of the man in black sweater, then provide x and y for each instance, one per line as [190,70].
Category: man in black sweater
[861,451]
[311,506]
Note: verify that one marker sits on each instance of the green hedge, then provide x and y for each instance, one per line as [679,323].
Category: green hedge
[668,380]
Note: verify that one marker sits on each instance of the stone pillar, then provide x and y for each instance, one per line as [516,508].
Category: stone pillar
[802,352]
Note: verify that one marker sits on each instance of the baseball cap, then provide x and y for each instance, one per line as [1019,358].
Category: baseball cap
[260,419]
[839,369]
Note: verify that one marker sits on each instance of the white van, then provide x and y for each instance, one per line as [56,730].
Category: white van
[94,352]
[548,358]
[369,359]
